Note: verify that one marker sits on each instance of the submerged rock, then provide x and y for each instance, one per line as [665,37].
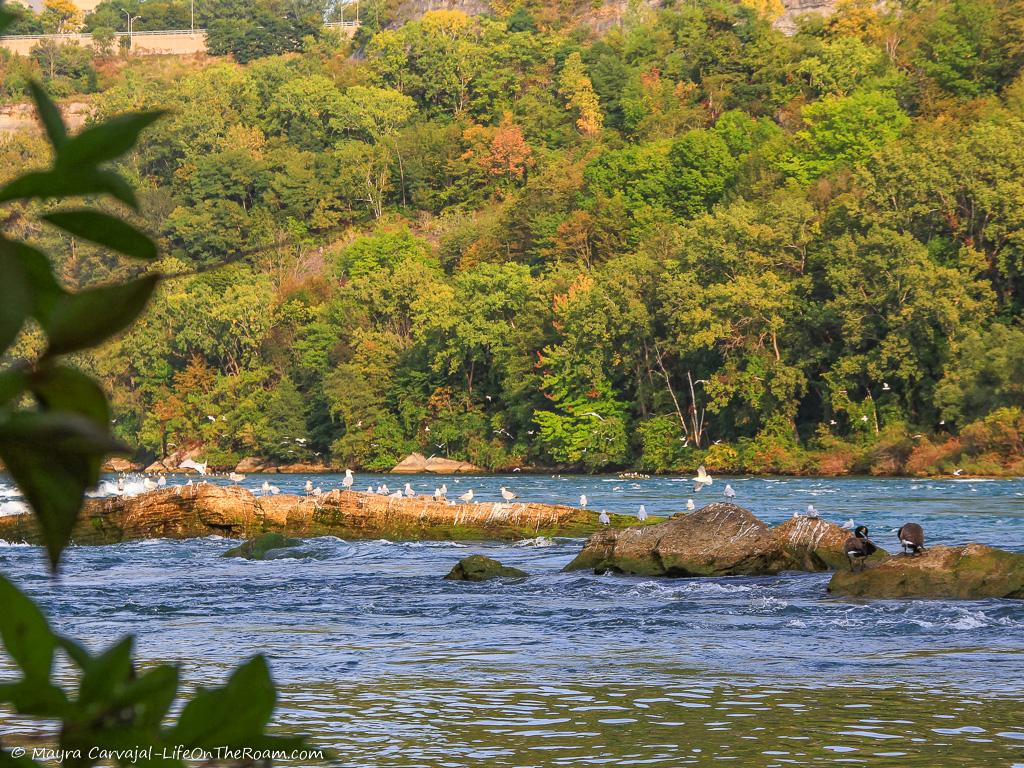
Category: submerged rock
[258,548]
[720,539]
[967,572]
[481,568]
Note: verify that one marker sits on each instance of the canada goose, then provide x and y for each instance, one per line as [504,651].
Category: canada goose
[859,546]
[911,536]
[702,479]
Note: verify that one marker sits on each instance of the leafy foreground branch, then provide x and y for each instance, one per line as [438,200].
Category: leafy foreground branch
[54,435]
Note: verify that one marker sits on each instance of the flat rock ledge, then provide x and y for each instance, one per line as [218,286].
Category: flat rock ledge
[967,572]
[717,540]
[204,510]
[416,463]
[482,568]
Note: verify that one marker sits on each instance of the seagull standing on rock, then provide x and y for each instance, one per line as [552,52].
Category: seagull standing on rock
[583,500]
[642,514]
[467,496]
[690,506]
[409,491]
[811,511]
[348,481]
[265,487]
[603,518]
[729,493]
[507,495]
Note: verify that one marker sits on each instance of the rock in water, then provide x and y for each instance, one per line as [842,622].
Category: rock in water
[717,540]
[259,547]
[481,568]
[967,572]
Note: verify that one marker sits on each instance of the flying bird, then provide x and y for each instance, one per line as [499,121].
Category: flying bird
[190,464]
[702,479]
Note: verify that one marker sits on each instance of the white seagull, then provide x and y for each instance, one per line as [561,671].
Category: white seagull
[690,506]
[409,491]
[189,464]
[467,496]
[309,487]
[729,492]
[234,477]
[148,485]
[603,518]
[583,500]
[507,495]
[848,525]
[642,514]
[349,479]
[702,479]
[265,488]
[161,481]
[811,511]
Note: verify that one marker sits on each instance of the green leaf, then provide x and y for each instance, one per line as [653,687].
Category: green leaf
[15,299]
[60,388]
[233,715]
[49,114]
[69,182]
[45,290]
[54,457]
[106,230]
[105,141]
[26,633]
[153,693]
[84,319]
[76,651]
[13,382]
[38,698]
[107,673]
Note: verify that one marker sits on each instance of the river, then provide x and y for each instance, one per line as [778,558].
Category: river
[381,660]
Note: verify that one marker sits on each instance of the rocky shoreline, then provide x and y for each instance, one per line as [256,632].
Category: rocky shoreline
[199,510]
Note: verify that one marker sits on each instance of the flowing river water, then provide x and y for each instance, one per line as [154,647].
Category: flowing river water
[381,660]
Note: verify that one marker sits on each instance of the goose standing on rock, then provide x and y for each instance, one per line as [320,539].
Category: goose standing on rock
[859,546]
[702,479]
[911,536]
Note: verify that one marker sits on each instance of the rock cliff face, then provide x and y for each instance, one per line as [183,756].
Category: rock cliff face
[971,572]
[416,463]
[204,510]
[716,540]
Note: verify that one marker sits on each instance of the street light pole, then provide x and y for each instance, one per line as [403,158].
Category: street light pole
[193,17]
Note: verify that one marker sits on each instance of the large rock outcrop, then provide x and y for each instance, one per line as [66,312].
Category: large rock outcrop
[967,572]
[417,463]
[717,540]
[203,510]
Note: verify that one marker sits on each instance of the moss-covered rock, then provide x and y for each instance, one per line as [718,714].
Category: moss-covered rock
[968,572]
[481,568]
[258,548]
[717,540]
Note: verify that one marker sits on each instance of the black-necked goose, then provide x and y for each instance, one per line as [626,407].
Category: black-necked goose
[859,546]
[911,537]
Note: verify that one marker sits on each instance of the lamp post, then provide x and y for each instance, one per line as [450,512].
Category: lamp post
[193,16]
[130,20]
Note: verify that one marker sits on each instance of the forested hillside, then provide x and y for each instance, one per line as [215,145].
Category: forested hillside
[515,241]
